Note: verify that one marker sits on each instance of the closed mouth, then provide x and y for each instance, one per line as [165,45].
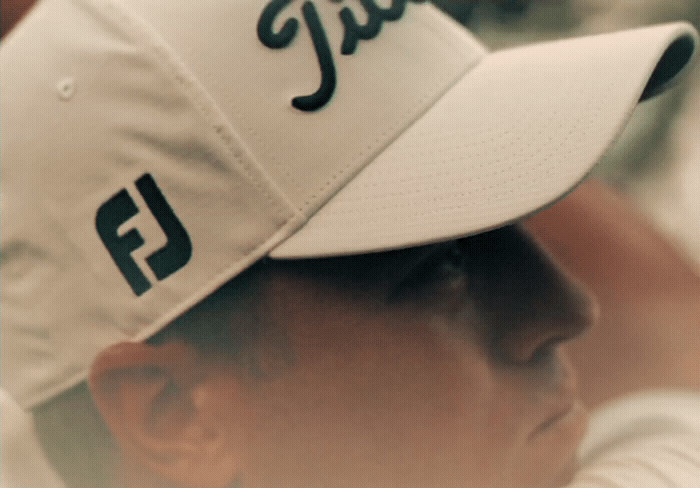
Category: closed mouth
[552,420]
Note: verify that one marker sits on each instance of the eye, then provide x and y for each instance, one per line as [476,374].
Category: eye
[543,354]
[442,266]
[514,354]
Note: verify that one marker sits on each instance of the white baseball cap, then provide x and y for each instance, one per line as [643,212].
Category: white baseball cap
[154,149]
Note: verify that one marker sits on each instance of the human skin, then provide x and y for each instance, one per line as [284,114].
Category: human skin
[408,393]
[11,11]
[648,289]
[647,334]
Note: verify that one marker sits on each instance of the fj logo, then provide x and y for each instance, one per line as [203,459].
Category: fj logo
[163,262]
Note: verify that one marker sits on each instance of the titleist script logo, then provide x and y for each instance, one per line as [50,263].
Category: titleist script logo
[354,31]
[163,262]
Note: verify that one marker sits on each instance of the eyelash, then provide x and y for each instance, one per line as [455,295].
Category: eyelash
[419,279]
[543,355]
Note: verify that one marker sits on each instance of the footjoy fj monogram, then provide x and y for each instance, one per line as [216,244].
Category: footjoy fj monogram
[354,31]
[163,262]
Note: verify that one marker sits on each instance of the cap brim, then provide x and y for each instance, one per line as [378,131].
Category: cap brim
[513,135]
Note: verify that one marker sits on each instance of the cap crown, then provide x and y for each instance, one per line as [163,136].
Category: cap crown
[154,149]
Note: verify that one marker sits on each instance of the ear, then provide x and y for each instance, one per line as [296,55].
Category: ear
[175,417]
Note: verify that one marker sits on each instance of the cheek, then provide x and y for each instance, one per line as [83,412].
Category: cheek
[490,413]
[394,410]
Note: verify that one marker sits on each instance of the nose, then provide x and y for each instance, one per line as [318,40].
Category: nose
[529,302]
[532,342]
[534,337]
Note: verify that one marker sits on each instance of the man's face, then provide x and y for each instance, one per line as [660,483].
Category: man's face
[437,377]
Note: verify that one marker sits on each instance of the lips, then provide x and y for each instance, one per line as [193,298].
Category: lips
[552,420]
[571,412]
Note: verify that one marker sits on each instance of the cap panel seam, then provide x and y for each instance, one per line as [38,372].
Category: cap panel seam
[290,219]
[370,149]
[373,152]
[197,94]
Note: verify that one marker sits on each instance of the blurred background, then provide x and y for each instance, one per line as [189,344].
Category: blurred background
[656,161]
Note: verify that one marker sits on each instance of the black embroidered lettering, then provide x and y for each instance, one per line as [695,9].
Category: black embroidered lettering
[178,249]
[265,33]
[113,213]
[353,32]
[325,60]
[163,262]
[375,18]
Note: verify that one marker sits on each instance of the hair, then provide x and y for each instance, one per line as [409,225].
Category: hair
[206,326]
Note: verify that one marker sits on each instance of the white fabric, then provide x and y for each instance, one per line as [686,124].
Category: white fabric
[22,460]
[98,94]
[510,160]
[648,440]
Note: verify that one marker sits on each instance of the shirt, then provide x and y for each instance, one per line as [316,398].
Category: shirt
[646,440]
